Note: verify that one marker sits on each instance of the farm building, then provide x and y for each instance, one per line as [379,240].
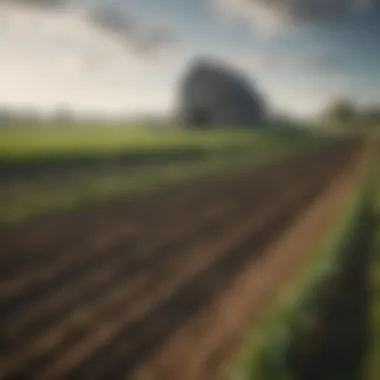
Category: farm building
[213,95]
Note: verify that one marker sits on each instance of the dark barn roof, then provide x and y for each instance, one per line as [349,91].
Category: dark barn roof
[214,95]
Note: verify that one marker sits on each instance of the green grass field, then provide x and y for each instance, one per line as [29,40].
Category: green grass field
[108,173]
[50,142]
[372,364]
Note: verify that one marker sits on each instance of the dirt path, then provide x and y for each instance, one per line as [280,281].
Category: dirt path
[138,292]
[241,305]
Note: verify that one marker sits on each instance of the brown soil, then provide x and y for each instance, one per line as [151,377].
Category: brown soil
[161,289]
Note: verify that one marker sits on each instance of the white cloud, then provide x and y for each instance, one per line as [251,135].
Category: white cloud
[51,58]
[112,17]
[59,58]
[263,18]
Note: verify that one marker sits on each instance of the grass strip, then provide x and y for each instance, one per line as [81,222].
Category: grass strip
[372,363]
[23,199]
[269,347]
[54,143]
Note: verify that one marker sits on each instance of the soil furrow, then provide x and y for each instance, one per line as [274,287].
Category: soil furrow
[103,304]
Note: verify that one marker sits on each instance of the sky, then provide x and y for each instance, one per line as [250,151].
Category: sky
[128,56]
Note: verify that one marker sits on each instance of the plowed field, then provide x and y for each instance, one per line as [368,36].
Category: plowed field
[98,294]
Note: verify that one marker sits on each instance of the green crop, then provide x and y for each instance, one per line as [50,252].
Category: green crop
[270,345]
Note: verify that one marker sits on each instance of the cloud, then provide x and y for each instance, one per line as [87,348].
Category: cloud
[143,38]
[114,19]
[46,4]
[277,14]
[282,61]
[48,61]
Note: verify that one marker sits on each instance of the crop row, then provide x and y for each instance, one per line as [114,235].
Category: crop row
[273,347]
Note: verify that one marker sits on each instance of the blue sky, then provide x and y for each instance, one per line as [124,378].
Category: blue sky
[127,56]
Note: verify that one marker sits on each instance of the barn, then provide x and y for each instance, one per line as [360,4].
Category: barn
[212,95]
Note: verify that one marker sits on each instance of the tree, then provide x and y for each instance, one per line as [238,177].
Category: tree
[372,116]
[341,112]
[64,115]
[5,116]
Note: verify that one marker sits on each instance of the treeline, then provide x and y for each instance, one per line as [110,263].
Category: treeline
[347,113]
[9,116]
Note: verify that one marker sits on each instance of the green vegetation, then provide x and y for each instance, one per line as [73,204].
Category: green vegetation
[372,370]
[345,114]
[267,352]
[372,365]
[341,112]
[269,348]
[53,142]
[21,199]
[83,166]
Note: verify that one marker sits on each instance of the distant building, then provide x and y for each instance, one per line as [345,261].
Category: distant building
[212,95]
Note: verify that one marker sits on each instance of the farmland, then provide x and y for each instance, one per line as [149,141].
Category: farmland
[123,250]
[325,324]
[53,141]
[166,286]
[48,170]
